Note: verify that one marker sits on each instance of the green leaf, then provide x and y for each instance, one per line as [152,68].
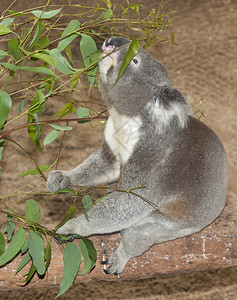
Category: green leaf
[3,54]
[37,127]
[32,211]
[106,14]
[87,203]
[91,251]
[60,127]
[36,250]
[2,243]
[4,30]
[2,142]
[14,247]
[41,43]
[61,64]
[87,259]
[35,171]
[32,132]
[87,47]
[65,110]
[10,228]
[172,40]
[69,54]
[50,137]
[69,34]
[25,247]
[15,13]
[20,106]
[42,56]
[108,3]
[5,106]
[68,215]
[14,48]
[7,22]
[82,112]
[24,262]
[45,57]
[37,35]
[133,49]
[30,273]
[30,69]
[45,14]
[72,261]
[47,255]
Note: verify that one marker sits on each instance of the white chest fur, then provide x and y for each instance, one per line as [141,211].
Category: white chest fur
[122,134]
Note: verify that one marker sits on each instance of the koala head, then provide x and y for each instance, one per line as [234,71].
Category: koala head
[145,83]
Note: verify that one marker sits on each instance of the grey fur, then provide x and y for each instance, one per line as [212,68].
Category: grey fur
[150,137]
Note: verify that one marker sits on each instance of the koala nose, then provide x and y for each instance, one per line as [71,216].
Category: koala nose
[108,48]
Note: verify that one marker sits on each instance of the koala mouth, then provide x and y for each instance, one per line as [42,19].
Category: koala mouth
[108,49]
[107,58]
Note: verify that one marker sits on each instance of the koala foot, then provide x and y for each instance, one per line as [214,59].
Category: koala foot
[117,261]
[117,264]
[57,180]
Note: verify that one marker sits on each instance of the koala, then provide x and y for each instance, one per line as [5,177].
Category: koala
[150,137]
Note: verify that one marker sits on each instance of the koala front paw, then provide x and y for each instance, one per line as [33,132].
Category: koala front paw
[57,180]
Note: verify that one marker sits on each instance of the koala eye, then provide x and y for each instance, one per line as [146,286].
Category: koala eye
[135,61]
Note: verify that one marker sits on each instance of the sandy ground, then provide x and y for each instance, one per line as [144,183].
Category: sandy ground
[203,66]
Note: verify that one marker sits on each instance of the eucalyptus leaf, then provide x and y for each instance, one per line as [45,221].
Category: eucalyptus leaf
[35,171]
[2,243]
[3,54]
[45,57]
[46,14]
[72,261]
[50,137]
[37,35]
[87,259]
[30,273]
[91,251]
[36,250]
[82,112]
[133,49]
[87,203]
[68,215]
[4,30]
[10,228]
[30,69]
[87,47]
[14,247]
[14,49]
[5,106]
[60,127]
[70,34]
[7,22]
[2,142]
[47,255]
[23,263]
[61,64]
[20,106]
[32,211]
[65,110]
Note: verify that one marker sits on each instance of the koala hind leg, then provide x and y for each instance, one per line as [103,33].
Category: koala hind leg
[137,239]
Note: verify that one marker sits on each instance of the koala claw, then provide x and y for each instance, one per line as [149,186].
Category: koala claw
[117,265]
[57,180]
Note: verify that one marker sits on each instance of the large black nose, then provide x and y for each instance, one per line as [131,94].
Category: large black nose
[116,41]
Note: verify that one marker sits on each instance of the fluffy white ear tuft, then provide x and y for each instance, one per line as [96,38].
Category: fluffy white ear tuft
[168,110]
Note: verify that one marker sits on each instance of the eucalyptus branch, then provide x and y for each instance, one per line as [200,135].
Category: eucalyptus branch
[100,116]
[30,157]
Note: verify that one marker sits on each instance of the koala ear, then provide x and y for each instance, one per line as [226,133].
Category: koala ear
[168,109]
